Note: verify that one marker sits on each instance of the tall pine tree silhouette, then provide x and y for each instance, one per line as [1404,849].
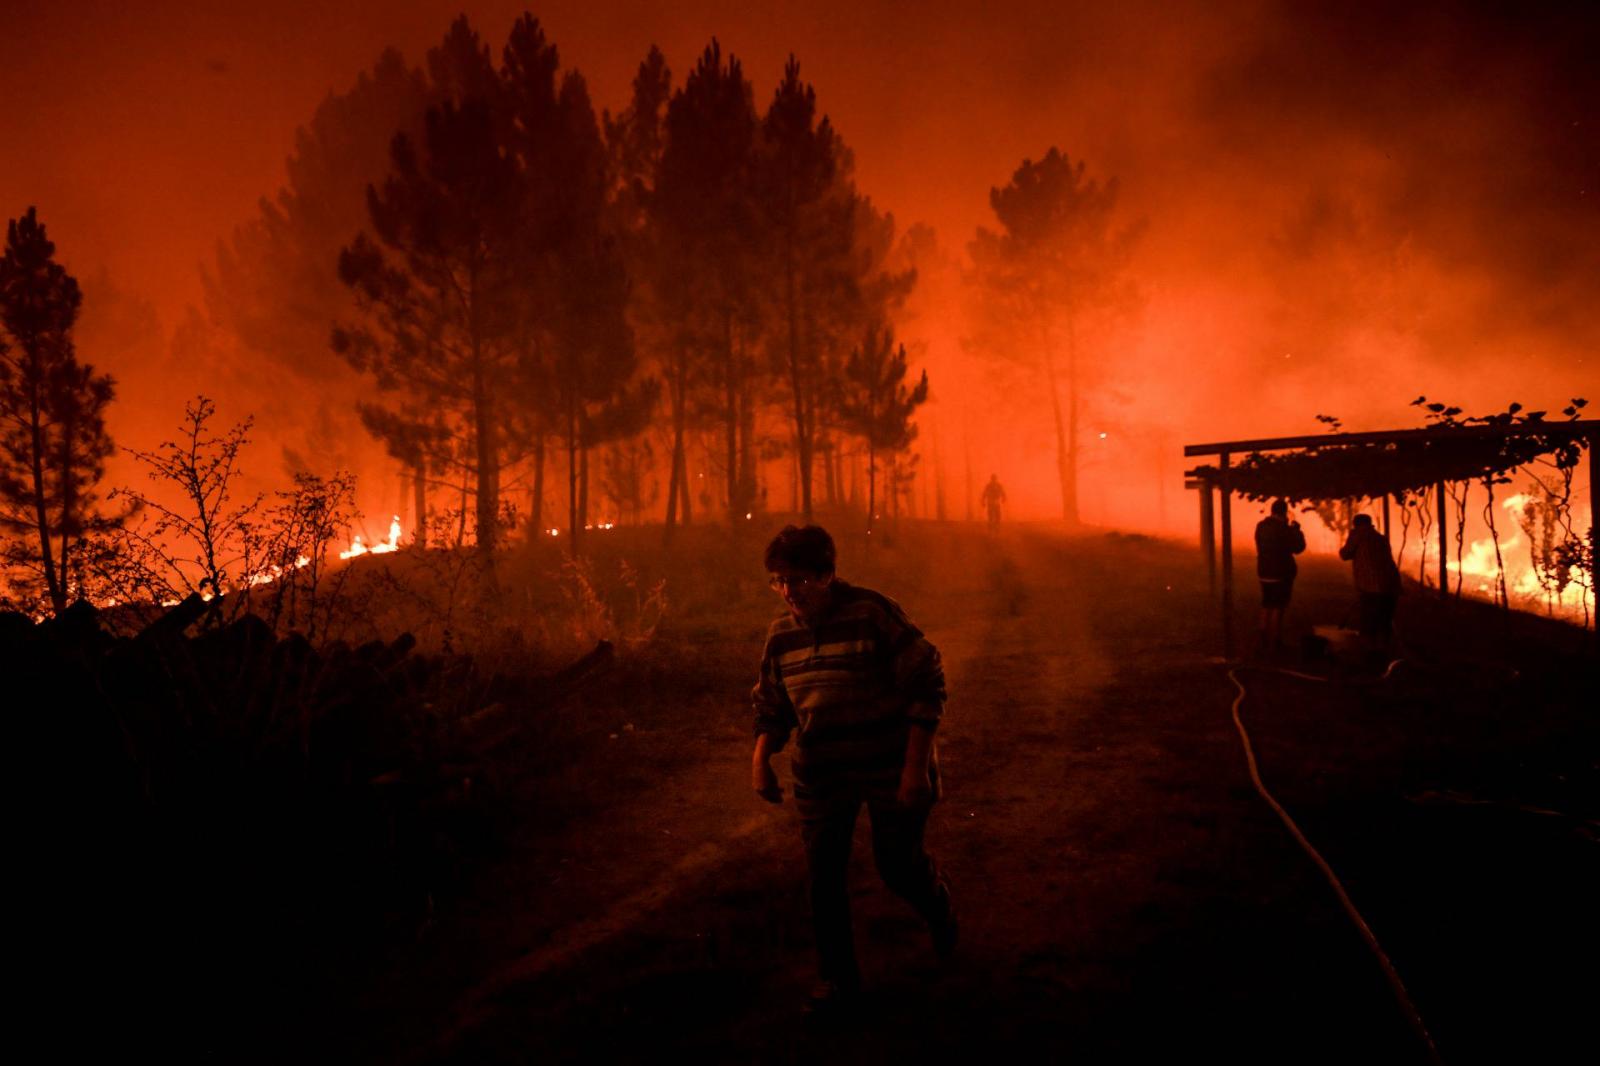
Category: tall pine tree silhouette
[636,142]
[707,220]
[808,209]
[53,440]
[440,282]
[1059,256]
[876,405]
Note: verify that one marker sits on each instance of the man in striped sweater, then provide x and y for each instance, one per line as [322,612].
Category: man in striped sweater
[846,671]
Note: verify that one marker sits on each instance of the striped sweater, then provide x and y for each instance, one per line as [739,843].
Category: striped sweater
[851,686]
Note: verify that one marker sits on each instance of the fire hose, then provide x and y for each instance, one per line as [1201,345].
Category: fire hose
[1396,986]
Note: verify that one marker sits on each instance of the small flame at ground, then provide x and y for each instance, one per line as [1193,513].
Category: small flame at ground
[392,544]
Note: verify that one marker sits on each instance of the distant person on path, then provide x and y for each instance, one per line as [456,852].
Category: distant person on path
[1377,581]
[994,494]
[864,690]
[1278,541]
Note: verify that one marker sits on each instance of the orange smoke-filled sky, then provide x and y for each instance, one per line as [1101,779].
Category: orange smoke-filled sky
[1344,208]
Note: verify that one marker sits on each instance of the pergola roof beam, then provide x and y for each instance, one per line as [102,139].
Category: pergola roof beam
[1582,428]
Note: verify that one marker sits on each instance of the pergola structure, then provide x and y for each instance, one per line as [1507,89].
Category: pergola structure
[1339,466]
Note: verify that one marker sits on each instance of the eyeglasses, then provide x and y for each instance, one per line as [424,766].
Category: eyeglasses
[779,582]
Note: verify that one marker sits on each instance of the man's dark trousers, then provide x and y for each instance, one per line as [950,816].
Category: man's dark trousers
[827,825]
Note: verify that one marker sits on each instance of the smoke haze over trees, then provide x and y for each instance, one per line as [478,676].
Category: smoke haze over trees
[1315,180]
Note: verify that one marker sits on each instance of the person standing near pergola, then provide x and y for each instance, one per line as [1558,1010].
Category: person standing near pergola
[1278,541]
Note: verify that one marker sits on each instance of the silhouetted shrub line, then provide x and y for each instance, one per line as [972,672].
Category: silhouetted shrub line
[224,808]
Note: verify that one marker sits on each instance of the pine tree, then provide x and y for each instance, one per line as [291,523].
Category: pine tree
[577,320]
[636,142]
[53,440]
[707,219]
[1060,256]
[875,404]
[441,282]
[807,200]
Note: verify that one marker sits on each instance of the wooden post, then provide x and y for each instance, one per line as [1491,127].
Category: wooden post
[1444,548]
[1594,533]
[1227,558]
[1208,534]
[1386,516]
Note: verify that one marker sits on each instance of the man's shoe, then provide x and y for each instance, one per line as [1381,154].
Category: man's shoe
[832,998]
[945,930]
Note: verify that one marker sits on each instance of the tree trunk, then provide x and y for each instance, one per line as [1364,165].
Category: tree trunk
[419,501]
[583,486]
[488,459]
[829,471]
[574,527]
[674,466]
[64,479]
[966,446]
[798,387]
[57,594]
[684,484]
[538,484]
[677,480]
[747,450]
[730,413]
[1066,450]
[872,484]
[675,463]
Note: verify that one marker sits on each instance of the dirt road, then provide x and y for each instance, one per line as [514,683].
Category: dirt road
[1124,895]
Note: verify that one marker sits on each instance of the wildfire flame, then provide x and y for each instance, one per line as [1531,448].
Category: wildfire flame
[1481,573]
[392,544]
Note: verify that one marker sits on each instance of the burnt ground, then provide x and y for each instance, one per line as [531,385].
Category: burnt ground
[1123,891]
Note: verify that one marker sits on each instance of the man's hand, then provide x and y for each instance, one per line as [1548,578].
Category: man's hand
[915,788]
[764,779]
[916,784]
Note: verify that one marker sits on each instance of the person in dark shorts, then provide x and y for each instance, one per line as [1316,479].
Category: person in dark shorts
[847,673]
[1278,541]
[1377,581]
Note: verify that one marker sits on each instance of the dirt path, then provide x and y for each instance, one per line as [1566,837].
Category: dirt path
[1123,893]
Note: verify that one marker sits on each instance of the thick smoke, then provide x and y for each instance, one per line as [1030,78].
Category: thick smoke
[1345,205]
